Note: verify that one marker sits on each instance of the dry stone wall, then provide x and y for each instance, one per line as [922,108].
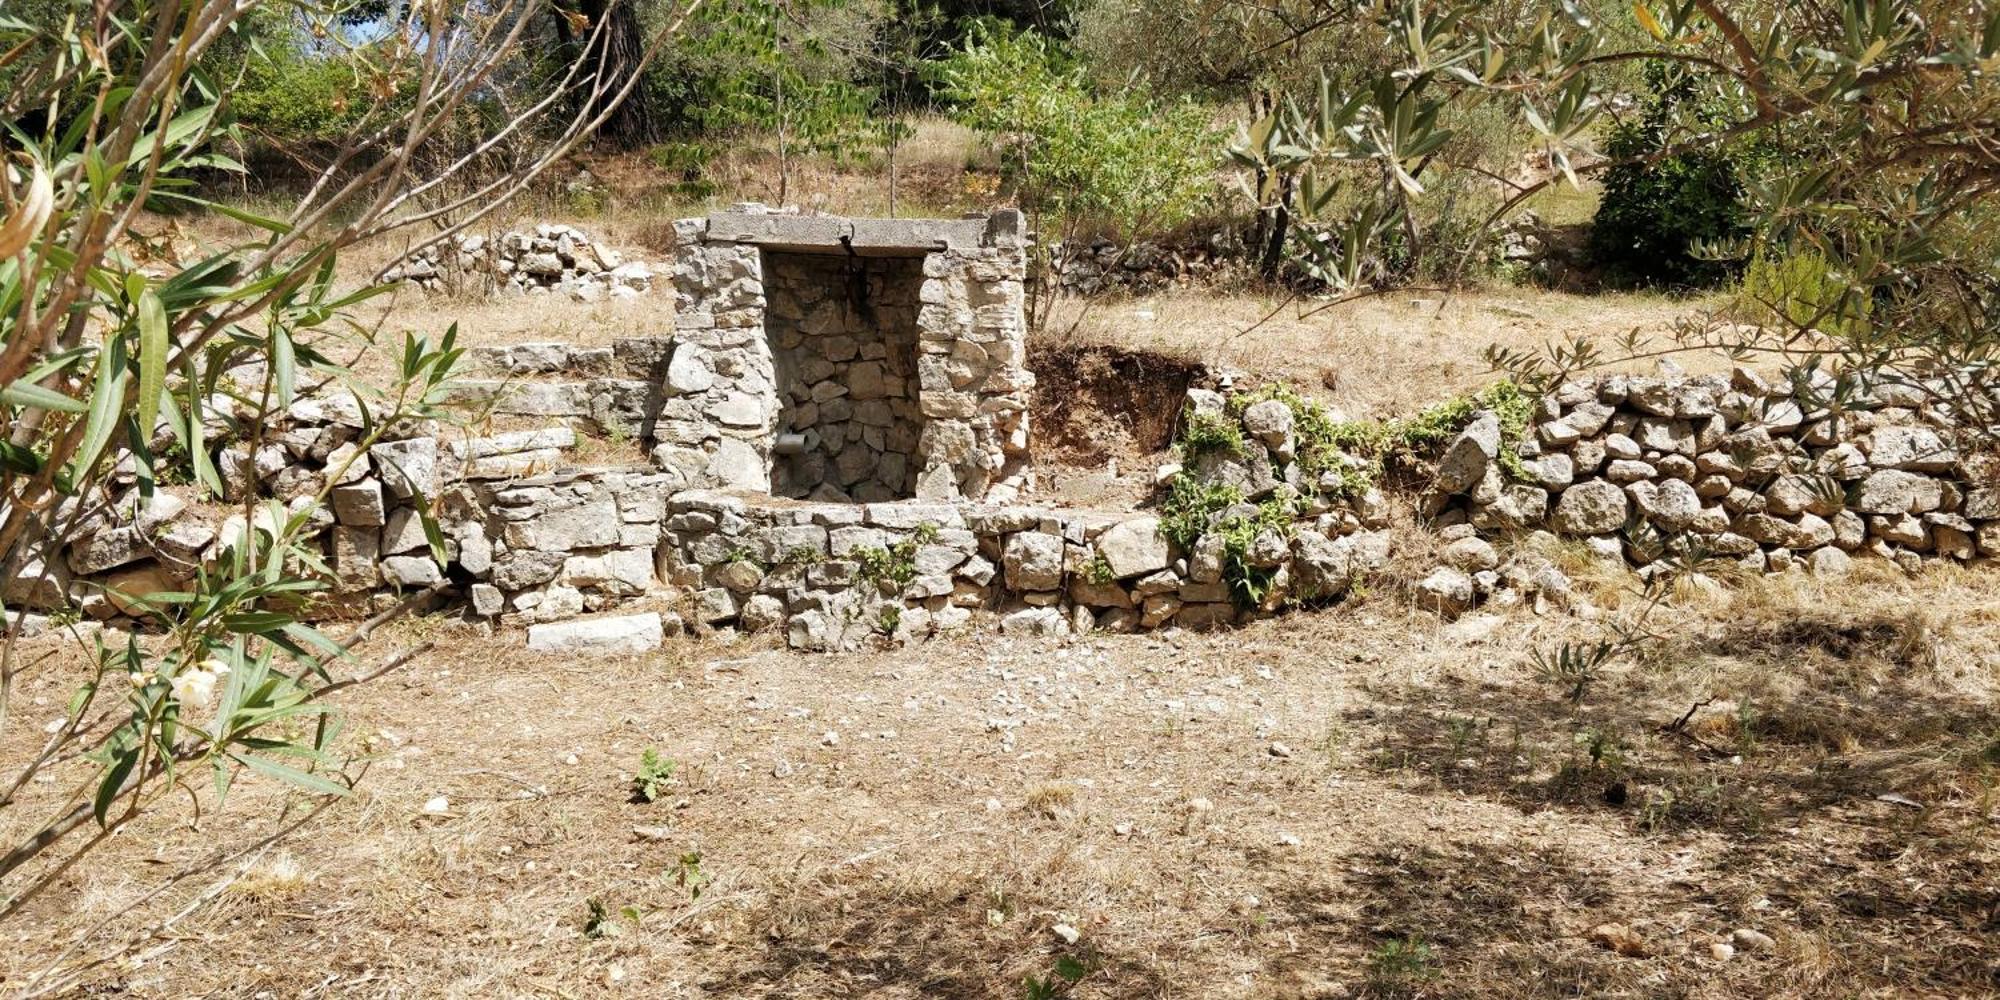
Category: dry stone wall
[619,390]
[1753,471]
[837,426]
[971,384]
[1761,472]
[552,259]
[1103,267]
[832,576]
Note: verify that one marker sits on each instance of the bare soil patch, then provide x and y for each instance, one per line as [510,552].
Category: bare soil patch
[1103,418]
[1363,801]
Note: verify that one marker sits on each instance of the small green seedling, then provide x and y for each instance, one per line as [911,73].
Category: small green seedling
[655,773]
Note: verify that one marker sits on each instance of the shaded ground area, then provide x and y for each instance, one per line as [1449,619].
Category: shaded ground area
[1357,802]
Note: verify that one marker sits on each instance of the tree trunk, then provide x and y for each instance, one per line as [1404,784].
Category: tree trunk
[784,158]
[1280,218]
[613,55]
[894,141]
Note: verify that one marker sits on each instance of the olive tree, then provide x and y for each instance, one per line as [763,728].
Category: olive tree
[115,370]
[1879,116]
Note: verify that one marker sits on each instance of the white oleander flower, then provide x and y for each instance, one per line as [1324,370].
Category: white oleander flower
[196,687]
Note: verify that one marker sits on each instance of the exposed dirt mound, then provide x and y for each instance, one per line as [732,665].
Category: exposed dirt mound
[1097,404]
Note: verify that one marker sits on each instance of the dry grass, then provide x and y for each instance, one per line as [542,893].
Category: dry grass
[1390,354]
[1359,802]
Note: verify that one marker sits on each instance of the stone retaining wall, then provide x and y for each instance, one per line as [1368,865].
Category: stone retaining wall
[524,540]
[832,575]
[1104,267]
[620,390]
[551,259]
[1767,474]
[844,335]
[1638,468]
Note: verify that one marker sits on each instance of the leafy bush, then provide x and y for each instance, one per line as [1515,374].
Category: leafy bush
[1190,505]
[896,565]
[298,99]
[1116,161]
[1655,214]
[1356,452]
[1337,459]
[1801,290]
[1210,434]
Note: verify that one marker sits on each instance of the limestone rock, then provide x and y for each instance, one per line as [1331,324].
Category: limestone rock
[1828,562]
[1033,561]
[1446,590]
[1918,449]
[487,600]
[1465,459]
[359,504]
[622,634]
[108,549]
[762,612]
[1671,503]
[1471,554]
[1893,491]
[408,468]
[1808,532]
[1590,508]
[411,571]
[1269,421]
[40,583]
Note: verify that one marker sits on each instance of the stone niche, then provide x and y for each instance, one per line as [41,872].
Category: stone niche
[843,334]
[844,359]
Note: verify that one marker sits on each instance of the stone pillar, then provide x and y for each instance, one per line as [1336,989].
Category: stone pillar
[717,424]
[973,381]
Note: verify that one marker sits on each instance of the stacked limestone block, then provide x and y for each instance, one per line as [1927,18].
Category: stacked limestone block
[552,259]
[368,529]
[1104,267]
[844,332]
[971,386]
[721,374]
[973,381]
[1755,471]
[619,389]
[833,576]
[557,546]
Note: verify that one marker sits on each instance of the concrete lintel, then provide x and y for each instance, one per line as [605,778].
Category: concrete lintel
[918,234]
[829,233]
[779,232]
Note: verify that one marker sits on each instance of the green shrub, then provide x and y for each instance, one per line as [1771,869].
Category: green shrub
[1113,159]
[1357,451]
[1656,213]
[897,564]
[300,98]
[1354,452]
[1801,289]
[1248,584]
[1205,434]
[1189,506]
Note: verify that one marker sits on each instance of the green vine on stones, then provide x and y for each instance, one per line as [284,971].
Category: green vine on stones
[1337,459]
[896,564]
